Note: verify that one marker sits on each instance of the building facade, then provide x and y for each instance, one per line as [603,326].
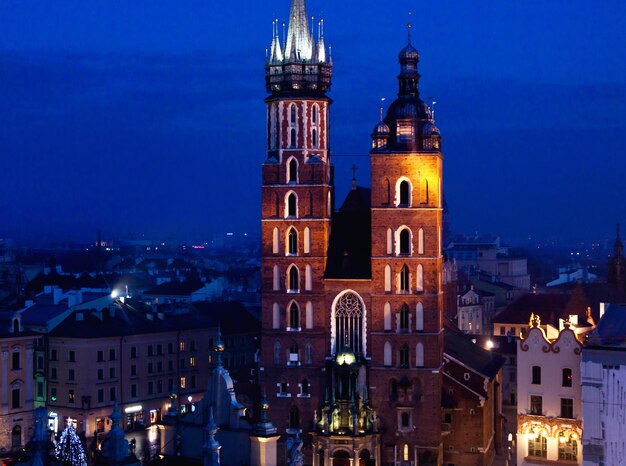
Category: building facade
[549,422]
[603,372]
[352,300]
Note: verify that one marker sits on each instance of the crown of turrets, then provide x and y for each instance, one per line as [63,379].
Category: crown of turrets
[299,63]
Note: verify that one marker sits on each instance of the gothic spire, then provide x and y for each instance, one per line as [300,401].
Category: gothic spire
[299,45]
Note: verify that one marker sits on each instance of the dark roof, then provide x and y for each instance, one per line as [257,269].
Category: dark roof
[350,244]
[461,348]
[549,308]
[175,288]
[611,330]
[591,295]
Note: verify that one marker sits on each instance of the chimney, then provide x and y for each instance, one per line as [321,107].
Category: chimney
[57,294]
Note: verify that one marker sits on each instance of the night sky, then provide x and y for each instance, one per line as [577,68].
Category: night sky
[147,117]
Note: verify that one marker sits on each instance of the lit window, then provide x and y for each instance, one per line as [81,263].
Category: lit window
[70,396]
[183,382]
[568,449]
[537,445]
[181,346]
[192,361]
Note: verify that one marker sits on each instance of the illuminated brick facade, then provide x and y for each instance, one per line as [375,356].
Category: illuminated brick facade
[352,341]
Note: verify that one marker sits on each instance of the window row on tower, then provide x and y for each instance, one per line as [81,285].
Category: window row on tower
[292,317]
[292,278]
[293,207]
[295,124]
[402,356]
[405,194]
[406,281]
[292,245]
[292,356]
[405,320]
[402,239]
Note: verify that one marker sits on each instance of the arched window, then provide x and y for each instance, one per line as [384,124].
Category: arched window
[308,278]
[419,355]
[420,241]
[277,352]
[294,418]
[275,316]
[314,114]
[419,278]
[387,316]
[348,323]
[293,171]
[404,356]
[275,241]
[568,449]
[307,240]
[387,354]
[404,318]
[308,353]
[314,137]
[405,451]
[309,315]
[292,205]
[294,317]
[276,279]
[567,378]
[536,375]
[393,389]
[538,446]
[405,194]
[293,279]
[389,241]
[405,284]
[292,242]
[292,109]
[419,317]
[292,138]
[16,436]
[387,278]
[405,241]
[294,354]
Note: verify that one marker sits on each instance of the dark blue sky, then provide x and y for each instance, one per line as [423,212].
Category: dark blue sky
[148,116]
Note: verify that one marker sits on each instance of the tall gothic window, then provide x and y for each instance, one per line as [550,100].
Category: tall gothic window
[293,279]
[292,205]
[349,315]
[404,356]
[294,316]
[405,194]
[404,279]
[292,242]
[314,115]
[293,114]
[404,318]
[405,241]
[293,171]
[314,137]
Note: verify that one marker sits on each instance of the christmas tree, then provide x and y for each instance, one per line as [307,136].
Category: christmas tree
[70,450]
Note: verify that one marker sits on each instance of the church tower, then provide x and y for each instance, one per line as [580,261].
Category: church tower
[406,291]
[297,202]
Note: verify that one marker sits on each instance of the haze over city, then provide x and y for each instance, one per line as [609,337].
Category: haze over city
[148,117]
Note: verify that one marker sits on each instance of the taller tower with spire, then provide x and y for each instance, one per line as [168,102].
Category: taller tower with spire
[297,203]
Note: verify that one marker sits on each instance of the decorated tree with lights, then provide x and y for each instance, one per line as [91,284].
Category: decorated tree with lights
[70,450]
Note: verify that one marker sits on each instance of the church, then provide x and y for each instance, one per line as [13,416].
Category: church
[352,291]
